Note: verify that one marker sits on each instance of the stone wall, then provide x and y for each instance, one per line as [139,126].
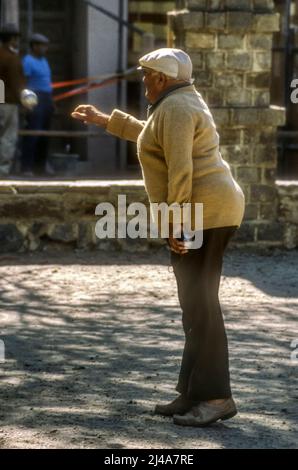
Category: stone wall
[230,42]
[44,216]
[53,217]
[288,212]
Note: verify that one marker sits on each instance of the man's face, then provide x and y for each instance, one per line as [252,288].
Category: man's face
[154,83]
[40,49]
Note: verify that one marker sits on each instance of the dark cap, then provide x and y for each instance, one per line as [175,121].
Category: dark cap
[37,38]
[9,29]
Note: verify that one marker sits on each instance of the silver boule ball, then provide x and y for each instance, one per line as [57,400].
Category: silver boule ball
[29,99]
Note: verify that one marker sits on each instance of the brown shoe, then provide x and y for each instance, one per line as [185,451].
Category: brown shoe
[207,413]
[179,406]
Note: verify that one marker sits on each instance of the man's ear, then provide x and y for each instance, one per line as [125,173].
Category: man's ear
[163,79]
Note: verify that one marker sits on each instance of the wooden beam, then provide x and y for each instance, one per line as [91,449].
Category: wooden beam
[67,134]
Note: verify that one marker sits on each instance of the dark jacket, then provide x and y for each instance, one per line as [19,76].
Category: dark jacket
[11,72]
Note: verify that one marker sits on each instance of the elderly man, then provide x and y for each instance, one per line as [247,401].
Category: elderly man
[178,148]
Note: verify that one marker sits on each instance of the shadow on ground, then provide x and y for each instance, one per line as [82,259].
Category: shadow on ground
[92,345]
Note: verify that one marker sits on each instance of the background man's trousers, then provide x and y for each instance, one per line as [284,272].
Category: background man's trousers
[204,373]
[9,126]
[34,152]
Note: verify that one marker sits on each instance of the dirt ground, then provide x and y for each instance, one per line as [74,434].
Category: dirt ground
[94,341]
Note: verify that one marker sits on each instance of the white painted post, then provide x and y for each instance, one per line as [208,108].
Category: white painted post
[103,34]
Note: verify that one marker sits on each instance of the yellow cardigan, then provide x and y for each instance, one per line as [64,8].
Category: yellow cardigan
[178,149]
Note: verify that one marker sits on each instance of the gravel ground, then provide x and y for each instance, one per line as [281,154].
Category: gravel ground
[93,341]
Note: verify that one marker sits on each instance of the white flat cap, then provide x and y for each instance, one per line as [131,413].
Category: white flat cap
[174,63]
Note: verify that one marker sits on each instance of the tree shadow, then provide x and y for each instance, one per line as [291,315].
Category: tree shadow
[88,373]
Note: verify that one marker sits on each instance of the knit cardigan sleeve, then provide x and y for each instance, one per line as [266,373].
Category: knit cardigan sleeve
[125,126]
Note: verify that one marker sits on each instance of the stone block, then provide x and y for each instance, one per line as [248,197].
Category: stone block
[288,197]
[246,233]
[11,239]
[238,4]
[86,236]
[261,98]
[78,207]
[197,60]
[216,4]
[190,21]
[270,231]
[254,117]
[245,117]
[231,41]
[239,22]
[265,155]
[215,60]
[259,41]
[290,236]
[196,5]
[214,97]
[251,212]
[269,175]
[262,61]
[265,135]
[238,98]
[258,80]
[200,40]
[25,207]
[239,60]
[262,23]
[221,116]
[230,137]
[65,233]
[236,154]
[216,21]
[263,5]
[228,80]
[268,211]
[203,79]
[39,230]
[274,116]
[263,193]
[248,174]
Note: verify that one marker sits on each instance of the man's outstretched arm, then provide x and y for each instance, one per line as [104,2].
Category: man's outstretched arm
[120,124]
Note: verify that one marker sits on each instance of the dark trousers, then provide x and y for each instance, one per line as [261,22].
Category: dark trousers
[34,149]
[204,373]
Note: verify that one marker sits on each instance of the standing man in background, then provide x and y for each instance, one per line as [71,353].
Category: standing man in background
[11,72]
[39,79]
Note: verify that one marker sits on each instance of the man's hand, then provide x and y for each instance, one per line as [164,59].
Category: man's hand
[91,115]
[176,245]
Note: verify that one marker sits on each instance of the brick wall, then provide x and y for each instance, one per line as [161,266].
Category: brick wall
[53,217]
